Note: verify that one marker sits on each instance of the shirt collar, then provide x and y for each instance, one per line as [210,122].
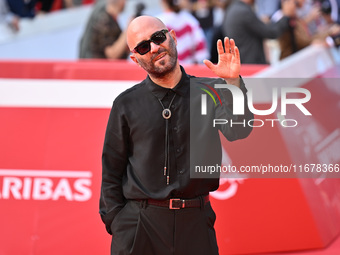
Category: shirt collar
[181,88]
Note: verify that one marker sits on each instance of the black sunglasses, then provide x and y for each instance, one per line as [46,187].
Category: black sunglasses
[157,38]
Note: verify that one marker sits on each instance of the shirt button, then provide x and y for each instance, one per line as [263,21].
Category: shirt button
[175,128]
[181,171]
[178,150]
[173,106]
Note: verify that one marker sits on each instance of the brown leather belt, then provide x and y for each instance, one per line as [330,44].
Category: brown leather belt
[178,203]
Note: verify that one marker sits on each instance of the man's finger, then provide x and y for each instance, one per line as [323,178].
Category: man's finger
[237,53]
[232,45]
[220,49]
[226,44]
[209,64]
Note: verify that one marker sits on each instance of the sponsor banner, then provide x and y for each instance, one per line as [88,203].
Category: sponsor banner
[45,185]
[50,172]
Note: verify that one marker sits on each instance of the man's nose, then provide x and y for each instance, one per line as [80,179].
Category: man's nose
[154,47]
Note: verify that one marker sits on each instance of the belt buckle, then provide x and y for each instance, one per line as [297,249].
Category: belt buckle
[172,207]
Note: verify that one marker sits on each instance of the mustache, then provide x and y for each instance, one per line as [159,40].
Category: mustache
[155,55]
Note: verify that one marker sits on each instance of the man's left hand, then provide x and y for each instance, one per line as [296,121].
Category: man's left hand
[229,63]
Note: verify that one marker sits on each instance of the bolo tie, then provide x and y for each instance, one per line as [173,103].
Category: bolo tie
[166,113]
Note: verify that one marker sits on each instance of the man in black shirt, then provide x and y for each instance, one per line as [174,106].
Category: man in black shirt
[155,135]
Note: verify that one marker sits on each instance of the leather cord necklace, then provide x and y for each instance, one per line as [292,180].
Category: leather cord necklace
[166,113]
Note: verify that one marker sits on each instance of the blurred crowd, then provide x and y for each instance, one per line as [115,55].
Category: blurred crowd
[11,11]
[198,24]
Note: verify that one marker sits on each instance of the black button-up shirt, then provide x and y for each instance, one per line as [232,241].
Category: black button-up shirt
[135,146]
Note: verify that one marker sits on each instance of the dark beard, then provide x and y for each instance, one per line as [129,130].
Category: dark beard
[166,67]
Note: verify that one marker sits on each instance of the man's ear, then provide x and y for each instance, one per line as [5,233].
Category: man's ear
[134,59]
[173,35]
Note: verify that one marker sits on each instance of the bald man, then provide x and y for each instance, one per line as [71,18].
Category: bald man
[150,201]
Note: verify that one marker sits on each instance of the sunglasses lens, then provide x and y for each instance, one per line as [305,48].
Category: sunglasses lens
[143,48]
[158,38]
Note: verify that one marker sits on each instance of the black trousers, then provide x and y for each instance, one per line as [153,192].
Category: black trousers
[141,229]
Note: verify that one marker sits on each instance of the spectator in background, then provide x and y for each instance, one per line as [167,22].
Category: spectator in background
[298,35]
[203,11]
[266,8]
[310,12]
[103,37]
[221,7]
[7,17]
[72,3]
[65,4]
[191,42]
[327,10]
[22,8]
[335,9]
[248,31]
[44,6]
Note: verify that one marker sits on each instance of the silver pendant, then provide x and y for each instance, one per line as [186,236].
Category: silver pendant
[166,113]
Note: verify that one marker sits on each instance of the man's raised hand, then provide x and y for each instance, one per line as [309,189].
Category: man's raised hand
[229,63]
